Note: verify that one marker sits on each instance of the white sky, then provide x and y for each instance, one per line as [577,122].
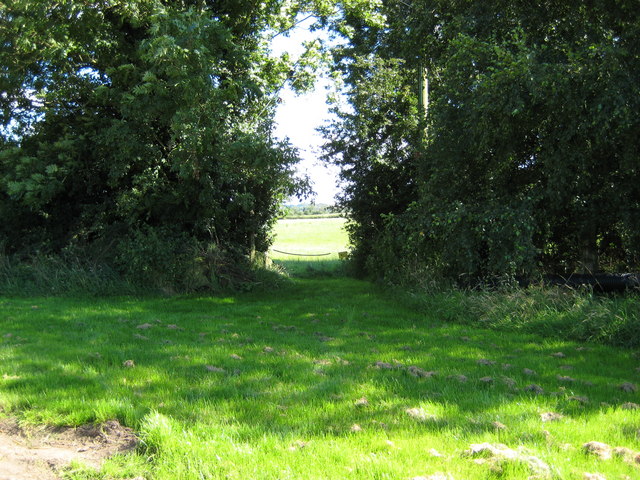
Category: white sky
[298,117]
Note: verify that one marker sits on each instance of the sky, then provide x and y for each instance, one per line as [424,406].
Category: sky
[298,117]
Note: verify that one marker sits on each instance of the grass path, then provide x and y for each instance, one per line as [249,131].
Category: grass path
[328,379]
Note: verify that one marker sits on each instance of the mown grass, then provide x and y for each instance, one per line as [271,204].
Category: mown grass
[311,382]
[305,238]
[330,377]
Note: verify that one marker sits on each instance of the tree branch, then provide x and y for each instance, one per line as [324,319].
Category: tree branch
[282,32]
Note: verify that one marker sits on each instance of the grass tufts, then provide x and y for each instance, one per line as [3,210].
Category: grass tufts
[551,312]
[333,378]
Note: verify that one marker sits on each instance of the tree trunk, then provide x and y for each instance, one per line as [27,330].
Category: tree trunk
[423,91]
[589,253]
[252,247]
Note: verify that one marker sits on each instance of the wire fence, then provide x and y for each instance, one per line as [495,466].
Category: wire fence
[303,254]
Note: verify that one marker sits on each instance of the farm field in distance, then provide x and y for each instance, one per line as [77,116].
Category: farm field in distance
[323,378]
[309,236]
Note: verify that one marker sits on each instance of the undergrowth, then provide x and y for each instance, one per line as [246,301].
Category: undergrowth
[67,274]
[56,275]
[554,312]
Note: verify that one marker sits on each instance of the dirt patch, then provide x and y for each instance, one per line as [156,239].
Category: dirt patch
[498,455]
[599,449]
[39,453]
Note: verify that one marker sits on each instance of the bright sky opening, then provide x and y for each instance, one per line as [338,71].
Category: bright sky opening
[298,117]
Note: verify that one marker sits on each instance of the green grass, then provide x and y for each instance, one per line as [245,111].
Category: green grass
[270,385]
[313,380]
[550,312]
[307,237]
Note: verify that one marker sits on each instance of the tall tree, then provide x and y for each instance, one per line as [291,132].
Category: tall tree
[530,155]
[124,116]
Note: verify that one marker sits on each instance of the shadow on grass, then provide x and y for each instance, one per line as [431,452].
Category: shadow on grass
[300,362]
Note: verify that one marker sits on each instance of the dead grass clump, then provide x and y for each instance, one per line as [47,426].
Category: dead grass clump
[628,387]
[212,368]
[498,455]
[599,449]
[537,389]
[579,398]
[419,372]
[420,414]
[384,365]
[551,417]
[484,361]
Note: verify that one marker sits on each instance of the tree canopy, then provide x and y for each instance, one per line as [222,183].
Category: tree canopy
[141,119]
[526,159]
[133,126]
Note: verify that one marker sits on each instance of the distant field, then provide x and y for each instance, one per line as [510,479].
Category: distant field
[310,237]
[309,217]
[305,238]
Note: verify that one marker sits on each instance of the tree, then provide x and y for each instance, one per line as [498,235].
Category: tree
[529,159]
[124,117]
[370,144]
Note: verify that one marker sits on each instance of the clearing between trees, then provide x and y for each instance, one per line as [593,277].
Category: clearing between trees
[331,378]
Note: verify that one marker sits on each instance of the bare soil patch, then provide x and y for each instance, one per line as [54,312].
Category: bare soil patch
[39,453]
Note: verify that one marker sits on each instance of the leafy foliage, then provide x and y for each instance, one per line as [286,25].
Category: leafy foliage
[526,159]
[143,116]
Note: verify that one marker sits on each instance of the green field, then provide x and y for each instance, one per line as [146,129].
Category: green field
[310,237]
[323,378]
[307,243]
[327,379]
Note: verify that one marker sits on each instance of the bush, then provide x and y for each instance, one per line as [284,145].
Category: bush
[160,258]
[144,261]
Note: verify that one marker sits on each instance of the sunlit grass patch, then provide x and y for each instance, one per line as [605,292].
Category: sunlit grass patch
[331,378]
[309,247]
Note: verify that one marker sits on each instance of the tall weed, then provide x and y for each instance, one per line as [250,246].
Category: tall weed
[142,265]
[552,312]
[42,274]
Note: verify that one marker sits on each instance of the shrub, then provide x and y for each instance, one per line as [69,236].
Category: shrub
[149,260]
